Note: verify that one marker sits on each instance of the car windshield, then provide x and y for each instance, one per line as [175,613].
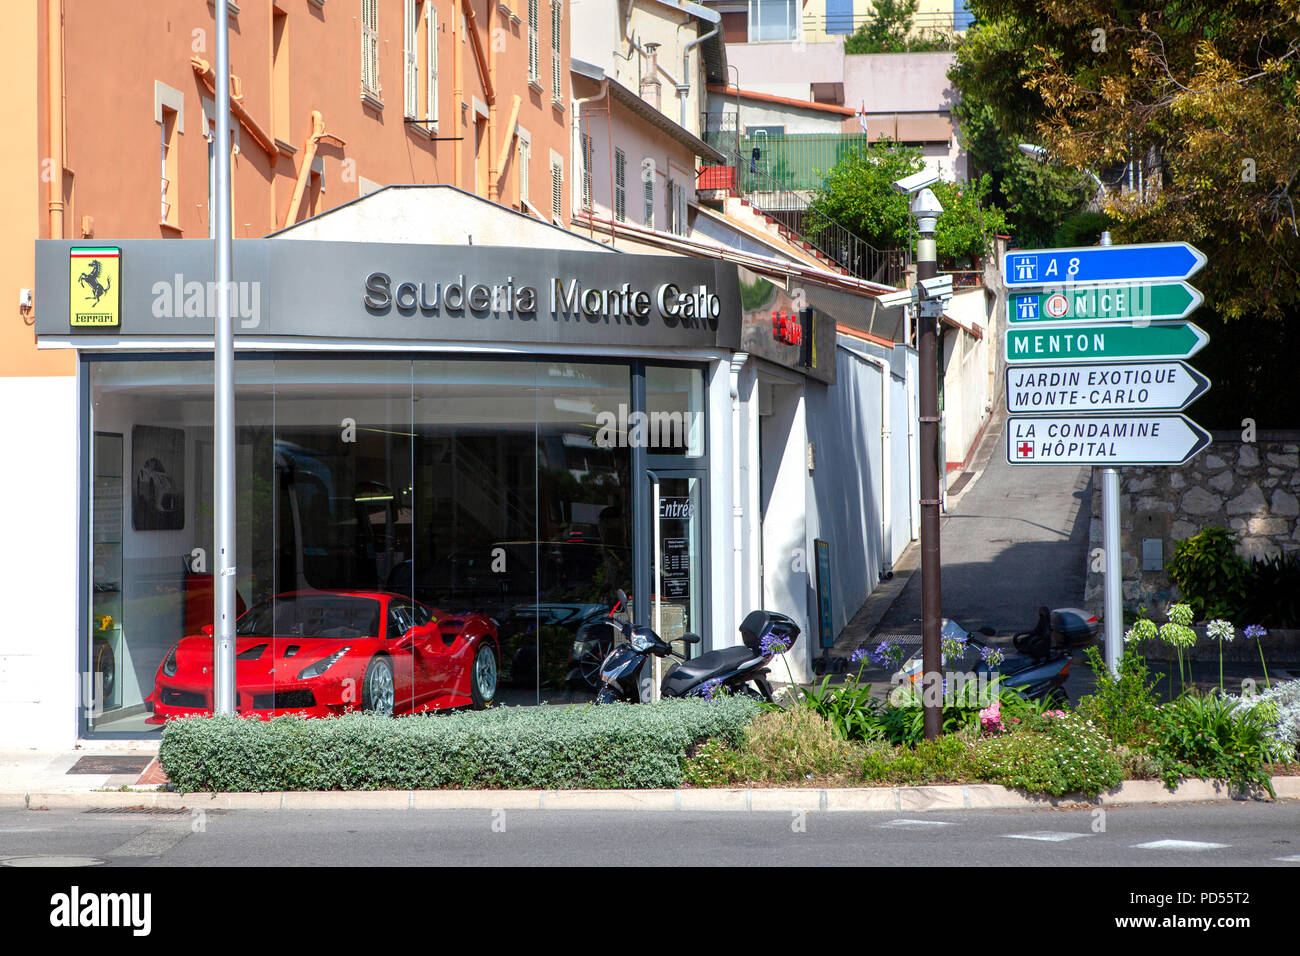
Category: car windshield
[312,615]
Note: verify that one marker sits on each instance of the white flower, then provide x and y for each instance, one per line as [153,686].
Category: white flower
[1220,630]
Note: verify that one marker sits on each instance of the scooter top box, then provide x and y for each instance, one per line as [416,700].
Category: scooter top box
[1074,627]
[759,624]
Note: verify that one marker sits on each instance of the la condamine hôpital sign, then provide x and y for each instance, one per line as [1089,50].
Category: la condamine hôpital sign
[409,293]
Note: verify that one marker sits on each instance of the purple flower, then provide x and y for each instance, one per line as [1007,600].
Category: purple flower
[858,656]
[887,653]
[710,687]
[771,645]
[1254,632]
[992,656]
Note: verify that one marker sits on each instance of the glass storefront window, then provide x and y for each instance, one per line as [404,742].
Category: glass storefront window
[675,410]
[391,508]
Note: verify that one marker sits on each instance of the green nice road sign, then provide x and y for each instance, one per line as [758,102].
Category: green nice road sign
[1127,302]
[1091,343]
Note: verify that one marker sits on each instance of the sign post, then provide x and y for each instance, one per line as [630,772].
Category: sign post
[1093,346]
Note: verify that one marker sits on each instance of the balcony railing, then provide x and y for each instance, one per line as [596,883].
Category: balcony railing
[931,24]
[777,198]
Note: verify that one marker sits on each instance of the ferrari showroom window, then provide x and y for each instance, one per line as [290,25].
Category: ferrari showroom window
[412,534]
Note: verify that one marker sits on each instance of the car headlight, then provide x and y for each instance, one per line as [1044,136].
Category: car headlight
[169,662]
[322,665]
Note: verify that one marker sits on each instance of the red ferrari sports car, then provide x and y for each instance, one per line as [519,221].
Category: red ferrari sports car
[319,653]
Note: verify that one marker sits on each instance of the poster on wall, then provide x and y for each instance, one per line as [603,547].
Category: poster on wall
[158,478]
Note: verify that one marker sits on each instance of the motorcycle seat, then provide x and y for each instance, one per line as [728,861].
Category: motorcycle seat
[706,667]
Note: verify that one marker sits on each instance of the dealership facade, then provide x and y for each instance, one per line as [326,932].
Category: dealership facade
[521,431]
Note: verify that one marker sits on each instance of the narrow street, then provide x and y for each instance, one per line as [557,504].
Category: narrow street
[1014,539]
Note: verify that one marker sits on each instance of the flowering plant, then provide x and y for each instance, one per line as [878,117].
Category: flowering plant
[1221,631]
[991,717]
[1177,633]
[992,656]
[888,654]
[1254,632]
[953,648]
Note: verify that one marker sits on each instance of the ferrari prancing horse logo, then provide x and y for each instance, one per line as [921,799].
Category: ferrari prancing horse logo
[93,295]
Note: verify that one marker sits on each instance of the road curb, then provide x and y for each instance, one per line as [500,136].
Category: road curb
[946,798]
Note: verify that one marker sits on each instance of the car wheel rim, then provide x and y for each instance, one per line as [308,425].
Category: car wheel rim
[485,673]
[381,690]
[589,668]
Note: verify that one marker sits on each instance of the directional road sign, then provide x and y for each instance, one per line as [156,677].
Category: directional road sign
[1092,343]
[1127,302]
[1115,387]
[1152,262]
[1104,440]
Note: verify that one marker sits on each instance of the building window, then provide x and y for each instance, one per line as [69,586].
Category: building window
[586,172]
[648,179]
[839,16]
[557,189]
[773,20]
[170,211]
[370,49]
[620,185]
[534,70]
[280,75]
[411,61]
[557,75]
[676,208]
[430,62]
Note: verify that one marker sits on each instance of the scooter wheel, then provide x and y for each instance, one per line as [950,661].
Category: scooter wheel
[819,666]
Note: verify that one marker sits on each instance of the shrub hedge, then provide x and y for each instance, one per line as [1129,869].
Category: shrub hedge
[616,745]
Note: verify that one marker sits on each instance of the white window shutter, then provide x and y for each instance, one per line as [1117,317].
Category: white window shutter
[410,96]
[431,95]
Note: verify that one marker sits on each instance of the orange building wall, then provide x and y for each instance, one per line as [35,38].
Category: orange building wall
[115,50]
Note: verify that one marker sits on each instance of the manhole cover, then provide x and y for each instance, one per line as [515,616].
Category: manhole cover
[57,861]
[110,765]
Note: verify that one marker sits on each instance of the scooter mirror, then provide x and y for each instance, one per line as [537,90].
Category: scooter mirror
[988,631]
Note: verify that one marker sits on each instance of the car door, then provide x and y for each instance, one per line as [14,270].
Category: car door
[400,639]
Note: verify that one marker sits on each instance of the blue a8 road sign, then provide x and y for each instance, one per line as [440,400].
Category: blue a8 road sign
[1148,262]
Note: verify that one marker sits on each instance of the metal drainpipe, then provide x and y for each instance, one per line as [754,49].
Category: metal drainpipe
[577,112]
[685,89]
[54,111]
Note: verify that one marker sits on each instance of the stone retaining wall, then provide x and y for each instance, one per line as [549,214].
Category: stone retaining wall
[1251,488]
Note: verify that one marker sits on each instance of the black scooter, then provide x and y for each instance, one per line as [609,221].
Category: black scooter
[1040,671]
[742,670]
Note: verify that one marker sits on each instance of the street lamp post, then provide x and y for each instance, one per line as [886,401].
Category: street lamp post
[926,210]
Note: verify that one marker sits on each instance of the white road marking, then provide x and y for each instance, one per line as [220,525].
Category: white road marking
[1294,858]
[915,824]
[1047,836]
[1192,845]
[50,861]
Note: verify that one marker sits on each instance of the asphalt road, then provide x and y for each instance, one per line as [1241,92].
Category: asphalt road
[1014,540]
[1203,835]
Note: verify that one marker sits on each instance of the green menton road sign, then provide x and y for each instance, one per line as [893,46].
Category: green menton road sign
[1090,343]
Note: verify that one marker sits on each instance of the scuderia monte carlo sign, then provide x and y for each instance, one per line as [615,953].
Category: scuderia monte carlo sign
[568,299]
[344,292]
[94,289]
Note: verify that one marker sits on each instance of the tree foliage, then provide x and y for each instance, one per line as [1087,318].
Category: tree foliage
[890,31]
[1202,92]
[857,193]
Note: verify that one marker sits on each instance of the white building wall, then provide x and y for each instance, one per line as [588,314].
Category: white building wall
[38,564]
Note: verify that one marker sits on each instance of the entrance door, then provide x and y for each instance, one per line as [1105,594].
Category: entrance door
[677,577]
